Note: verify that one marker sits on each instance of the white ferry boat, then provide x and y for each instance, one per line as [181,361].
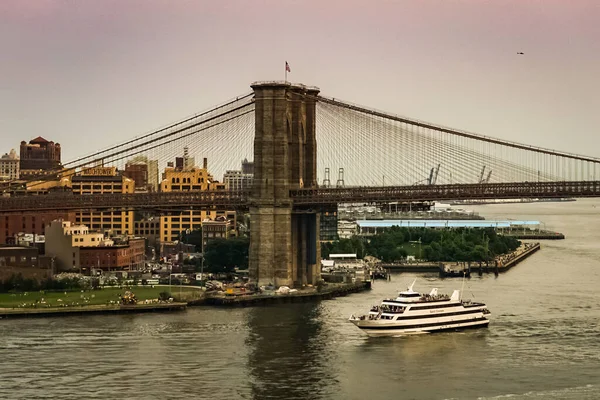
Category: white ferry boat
[412,312]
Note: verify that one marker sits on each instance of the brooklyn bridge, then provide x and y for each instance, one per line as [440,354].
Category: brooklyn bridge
[298,139]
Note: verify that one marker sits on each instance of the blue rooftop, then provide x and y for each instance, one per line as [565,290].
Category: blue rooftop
[438,223]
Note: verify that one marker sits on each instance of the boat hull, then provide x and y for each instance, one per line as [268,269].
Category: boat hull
[378,330]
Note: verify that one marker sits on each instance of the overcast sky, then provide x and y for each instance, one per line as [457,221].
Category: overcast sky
[91,73]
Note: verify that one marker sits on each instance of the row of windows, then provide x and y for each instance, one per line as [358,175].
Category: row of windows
[153,225]
[76,240]
[14,259]
[184,226]
[85,220]
[146,232]
[110,187]
[186,180]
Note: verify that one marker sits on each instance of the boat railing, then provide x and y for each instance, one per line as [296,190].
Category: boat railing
[385,308]
[437,297]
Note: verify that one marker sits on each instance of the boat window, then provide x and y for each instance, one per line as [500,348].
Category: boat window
[410,295]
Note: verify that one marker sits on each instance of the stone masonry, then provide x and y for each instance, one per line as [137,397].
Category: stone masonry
[284,248]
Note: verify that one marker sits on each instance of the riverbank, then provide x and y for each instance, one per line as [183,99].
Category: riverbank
[98,301]
[328,291]
[535,235]
[93,309]
[199,298]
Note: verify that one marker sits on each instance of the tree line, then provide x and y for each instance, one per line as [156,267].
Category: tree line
[461,244]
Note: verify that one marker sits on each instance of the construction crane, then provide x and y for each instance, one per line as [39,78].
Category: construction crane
[433,174]
[437,171]
[489,175]
[481,175]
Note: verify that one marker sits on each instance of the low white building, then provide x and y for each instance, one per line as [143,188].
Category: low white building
[9,166]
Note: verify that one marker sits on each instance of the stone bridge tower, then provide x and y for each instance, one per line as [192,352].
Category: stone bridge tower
[284,240]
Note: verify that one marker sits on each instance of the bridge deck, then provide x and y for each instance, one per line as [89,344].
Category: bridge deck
[302,198]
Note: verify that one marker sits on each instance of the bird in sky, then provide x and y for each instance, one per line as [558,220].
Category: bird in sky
[520,52]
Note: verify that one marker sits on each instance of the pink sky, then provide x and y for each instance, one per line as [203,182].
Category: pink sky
[90,73]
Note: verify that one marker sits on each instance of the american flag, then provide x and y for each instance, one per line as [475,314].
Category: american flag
[287,67]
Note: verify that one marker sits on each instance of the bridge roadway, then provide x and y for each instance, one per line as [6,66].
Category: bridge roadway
[301,198]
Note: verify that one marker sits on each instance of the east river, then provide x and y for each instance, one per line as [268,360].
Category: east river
[542,343]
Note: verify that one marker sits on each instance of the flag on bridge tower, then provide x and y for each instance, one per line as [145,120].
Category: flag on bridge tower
[287,69]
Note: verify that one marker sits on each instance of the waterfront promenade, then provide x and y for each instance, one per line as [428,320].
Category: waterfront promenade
[500,264]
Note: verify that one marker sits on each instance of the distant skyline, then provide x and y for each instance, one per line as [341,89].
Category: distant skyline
[88,74]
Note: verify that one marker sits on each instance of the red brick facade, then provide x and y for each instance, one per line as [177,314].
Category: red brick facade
[31,222]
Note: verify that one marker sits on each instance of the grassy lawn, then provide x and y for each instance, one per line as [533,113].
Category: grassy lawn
[90,297]
[412,249]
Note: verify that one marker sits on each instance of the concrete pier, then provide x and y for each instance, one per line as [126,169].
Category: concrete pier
[328,292]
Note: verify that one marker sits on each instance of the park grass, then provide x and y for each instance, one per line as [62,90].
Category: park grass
[412,249]
[91,297]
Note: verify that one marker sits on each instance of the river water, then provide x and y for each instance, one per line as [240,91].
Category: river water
[542,342]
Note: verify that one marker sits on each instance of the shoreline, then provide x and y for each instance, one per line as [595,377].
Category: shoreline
[334,290]
[217,299]
[7,313]
[511,260]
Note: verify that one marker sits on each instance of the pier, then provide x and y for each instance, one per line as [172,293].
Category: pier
[500,264]
[327,292]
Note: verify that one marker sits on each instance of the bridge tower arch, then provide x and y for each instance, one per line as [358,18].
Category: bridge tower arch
[284,248]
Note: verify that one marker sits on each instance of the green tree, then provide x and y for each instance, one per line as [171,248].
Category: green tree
[224,255]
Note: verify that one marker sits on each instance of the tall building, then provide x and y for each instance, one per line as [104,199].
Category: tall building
[148,228]
[103,180]
[137,172]
[152,167]
[237,180]
[247,167]
[9,166]
[39,156]
[188,162]
[240,180]
[176,179]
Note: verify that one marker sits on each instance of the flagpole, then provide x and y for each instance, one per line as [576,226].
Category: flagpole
[286,71]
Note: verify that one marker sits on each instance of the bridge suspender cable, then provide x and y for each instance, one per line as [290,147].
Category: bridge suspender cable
[455,132]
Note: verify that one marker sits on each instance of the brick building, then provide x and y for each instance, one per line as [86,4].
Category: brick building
[39,156]
[29,222]
[121,257]
[17,256]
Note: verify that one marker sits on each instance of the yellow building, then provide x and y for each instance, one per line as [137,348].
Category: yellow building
[175,224]
[103,180]
[186,180]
